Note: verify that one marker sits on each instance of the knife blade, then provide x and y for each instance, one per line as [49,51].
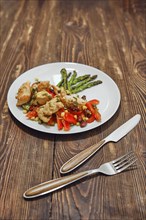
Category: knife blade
[115,136]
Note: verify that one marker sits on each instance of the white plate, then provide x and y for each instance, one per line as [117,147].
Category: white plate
[107,93]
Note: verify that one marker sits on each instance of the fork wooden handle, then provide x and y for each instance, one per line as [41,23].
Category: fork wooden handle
[80,158]
[52,185]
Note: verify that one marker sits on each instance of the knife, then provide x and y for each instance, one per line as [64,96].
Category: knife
[115,136]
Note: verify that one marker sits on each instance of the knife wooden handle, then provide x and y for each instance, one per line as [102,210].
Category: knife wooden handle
[78,159]
[52,185]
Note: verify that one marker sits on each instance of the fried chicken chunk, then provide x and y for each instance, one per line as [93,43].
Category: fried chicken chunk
[41,98]
[51,107]
[72,101]
[39,86]
[43,85]
[24,94]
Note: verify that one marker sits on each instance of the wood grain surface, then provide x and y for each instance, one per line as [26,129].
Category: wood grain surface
[109,35]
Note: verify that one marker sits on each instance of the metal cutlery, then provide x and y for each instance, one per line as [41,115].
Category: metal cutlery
[115,136]
[111,168]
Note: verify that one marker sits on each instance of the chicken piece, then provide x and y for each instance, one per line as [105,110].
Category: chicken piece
[43,85]
[24,94]
[51,107]
[39,86]
[42,116]
[41,98]
[72,101]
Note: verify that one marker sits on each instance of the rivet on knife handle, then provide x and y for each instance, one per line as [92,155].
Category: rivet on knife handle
[81,157]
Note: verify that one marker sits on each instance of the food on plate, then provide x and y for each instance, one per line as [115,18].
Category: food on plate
[24,94]
[75,84]
[50,104]
[47,110]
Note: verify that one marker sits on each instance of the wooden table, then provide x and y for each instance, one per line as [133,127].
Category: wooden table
[108,35]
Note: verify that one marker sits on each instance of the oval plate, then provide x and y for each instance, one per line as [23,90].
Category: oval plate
[107,93]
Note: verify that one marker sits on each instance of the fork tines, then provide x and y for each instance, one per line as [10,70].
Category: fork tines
[124,162]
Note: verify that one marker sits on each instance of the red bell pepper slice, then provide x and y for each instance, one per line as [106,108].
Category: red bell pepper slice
[32,114]
[59,123]
[69,118]
[52,120]
[94,102]
[97,116]
[60,112]
[91,119]
[66,125]
[92,108]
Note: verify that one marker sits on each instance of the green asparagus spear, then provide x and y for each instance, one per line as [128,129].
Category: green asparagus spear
[84,82]
[72,78]
[68,84]
[86,86]
[80,83]
[64,77]
[80,78]
[61,81]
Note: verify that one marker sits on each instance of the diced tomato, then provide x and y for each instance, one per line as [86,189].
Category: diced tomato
[59,123]
[66,125]
[91,106]
[32,114]
[69,118]
[91,119]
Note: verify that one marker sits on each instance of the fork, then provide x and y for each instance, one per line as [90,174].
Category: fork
[111,168]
